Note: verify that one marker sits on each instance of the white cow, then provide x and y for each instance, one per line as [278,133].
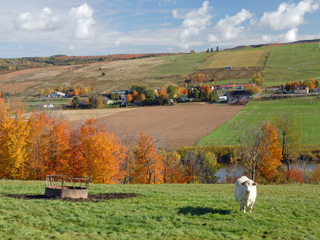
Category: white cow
[245,192]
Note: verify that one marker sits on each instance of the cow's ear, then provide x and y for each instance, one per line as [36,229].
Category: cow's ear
[254,184]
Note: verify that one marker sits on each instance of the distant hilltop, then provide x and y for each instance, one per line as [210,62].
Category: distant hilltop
[273,44]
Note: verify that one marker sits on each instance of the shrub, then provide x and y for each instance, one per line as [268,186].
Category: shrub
[294,175]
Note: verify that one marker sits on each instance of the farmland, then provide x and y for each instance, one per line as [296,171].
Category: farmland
[305,111]
[152,71]
[242,58]
[161,212]
[292,63]
[179,125]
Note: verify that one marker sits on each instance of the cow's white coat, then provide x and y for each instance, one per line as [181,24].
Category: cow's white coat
[245,192]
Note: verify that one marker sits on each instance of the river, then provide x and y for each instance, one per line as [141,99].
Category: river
[238,171]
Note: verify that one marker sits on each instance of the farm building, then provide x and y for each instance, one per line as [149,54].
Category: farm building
[57,94]
[238,96]
[122,93]
[302,90]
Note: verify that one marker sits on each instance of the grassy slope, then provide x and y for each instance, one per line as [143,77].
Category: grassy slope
[162,212]
[306,112]
[241,58]
[303,59]
[179,64]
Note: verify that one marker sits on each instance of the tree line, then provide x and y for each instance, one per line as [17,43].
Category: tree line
[39,145]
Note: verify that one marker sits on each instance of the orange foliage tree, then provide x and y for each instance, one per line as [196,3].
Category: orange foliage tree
[148,162]
[100,154]
[135,96]
[14,133]
[270,153]
[129,98]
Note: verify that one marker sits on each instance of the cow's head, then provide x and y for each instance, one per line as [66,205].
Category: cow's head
[249,185]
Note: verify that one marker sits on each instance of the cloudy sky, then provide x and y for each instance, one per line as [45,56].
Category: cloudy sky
[100,27]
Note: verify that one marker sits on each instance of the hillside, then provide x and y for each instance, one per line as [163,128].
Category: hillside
[152,71]
[279,64]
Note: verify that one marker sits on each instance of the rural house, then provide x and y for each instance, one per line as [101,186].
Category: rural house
[238,96]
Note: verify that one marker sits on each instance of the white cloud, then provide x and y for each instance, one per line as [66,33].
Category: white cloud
[194,21]
[290,36]
[79,21]
[288,15]
[212,38]
[230,27]
[44,20]
[84,22]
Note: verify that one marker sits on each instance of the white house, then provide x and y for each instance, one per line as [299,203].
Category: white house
[57,94]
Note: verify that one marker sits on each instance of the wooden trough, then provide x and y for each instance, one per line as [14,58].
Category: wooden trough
[66,186]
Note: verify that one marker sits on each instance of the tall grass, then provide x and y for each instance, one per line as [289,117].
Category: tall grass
[162,212]
[306,112]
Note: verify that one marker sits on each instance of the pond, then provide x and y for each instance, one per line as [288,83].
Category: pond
[239,170]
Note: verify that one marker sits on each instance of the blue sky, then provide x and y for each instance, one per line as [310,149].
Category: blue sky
[101,27]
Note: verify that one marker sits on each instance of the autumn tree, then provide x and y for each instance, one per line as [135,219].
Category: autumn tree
[258,79]
[135,96]
[289,137]
[129,98]
[172,167]
[270,153]
[149,165]
[99,150]
[253,88]
[85,91]
[142,97]
[173,90]
[14,133]
[250,141]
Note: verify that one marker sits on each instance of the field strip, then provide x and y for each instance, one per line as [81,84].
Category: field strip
[83,115]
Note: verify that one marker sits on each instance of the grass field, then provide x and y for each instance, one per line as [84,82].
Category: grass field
[179,64]
[242,58]
[306,112]
[292,63]
[162,212]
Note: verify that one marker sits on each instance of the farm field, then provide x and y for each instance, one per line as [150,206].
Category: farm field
[306,112]
[179,64]
[292,63]
[241,58]
[119,75]
[176,126]
[161,212]
[85,114]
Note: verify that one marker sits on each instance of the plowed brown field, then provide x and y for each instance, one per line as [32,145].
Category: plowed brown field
[179,125]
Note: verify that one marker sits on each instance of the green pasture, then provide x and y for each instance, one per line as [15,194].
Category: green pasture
[234,58]
[306,112]
[162,212]
[292,63]
[179,64]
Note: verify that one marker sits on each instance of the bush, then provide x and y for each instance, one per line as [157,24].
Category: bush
[294,175]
